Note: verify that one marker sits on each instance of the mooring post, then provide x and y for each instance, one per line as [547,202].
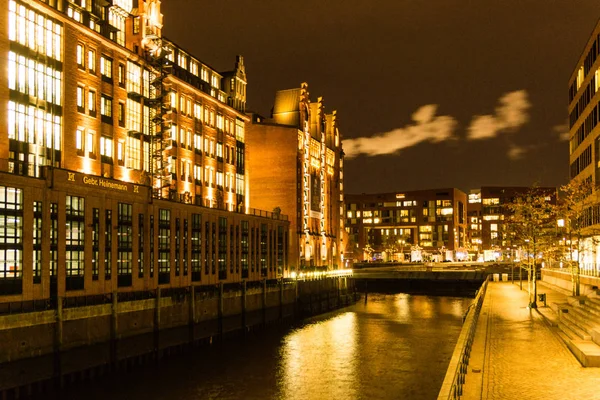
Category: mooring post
[281,299]
[244,307]
[192,318]
[113,331]
[264,301]
[58,342]
[157,325]
[220,308]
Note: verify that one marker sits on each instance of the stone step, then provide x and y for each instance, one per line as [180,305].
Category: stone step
[572,330]
[584,317]
[593,302]
[591,308]
[586,351]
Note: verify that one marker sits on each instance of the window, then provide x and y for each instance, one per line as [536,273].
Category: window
[106,109]
[134,78]
[121,115]
[108,228]
[134,116]
[106,147]
[90,144]
[80,99]
[133,153]
[36,31]
[121,75]
[37,242]
[92,61]
[11,240]
[196,238]
[95,243]
[92,103]
[75,242]
[124,244]
[80,56]
[79,138]
[164,245]
[106,68]
[120,153]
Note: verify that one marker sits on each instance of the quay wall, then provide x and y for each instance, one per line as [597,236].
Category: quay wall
[50,348]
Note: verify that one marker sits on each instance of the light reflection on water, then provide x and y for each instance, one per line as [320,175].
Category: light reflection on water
[395,346]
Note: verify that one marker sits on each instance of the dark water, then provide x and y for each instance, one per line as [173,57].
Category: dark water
[395,347]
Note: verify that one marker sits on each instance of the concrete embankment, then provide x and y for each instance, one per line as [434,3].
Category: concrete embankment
[73,342]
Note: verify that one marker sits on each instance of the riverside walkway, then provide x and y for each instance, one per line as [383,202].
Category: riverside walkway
[517,353]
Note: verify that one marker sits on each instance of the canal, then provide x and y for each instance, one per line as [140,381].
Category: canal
[395,346]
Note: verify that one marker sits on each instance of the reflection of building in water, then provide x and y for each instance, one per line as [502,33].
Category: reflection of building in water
[122,161]
[295,164]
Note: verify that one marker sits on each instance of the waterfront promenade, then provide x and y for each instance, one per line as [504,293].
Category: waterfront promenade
[517,353]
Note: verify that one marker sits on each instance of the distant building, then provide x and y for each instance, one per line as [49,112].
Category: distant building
[294,165]
[122,158]
[429,224]
[488,212]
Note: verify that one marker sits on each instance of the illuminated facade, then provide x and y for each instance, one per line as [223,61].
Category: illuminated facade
[488,212]
[295,164]
[584,139]
[125,153]
[391,226]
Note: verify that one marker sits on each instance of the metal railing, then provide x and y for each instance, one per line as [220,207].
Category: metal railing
[591,270]
[457,370]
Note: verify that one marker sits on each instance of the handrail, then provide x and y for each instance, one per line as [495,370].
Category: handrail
[457,369]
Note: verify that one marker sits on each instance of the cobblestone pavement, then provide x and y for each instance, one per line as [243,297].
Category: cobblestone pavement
[523,357]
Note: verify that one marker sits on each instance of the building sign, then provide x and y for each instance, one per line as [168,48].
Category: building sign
[103,183]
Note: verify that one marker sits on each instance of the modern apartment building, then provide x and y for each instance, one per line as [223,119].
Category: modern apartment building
[488,212]
[295,166]
[123,162]
[584,137]
[403,225]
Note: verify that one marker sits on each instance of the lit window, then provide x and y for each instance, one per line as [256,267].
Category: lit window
[134,78]
[106,106]
[106,147]
[92,102]
[79,134]
[106,67]
[580,77]
[80,57]
[90,144]
[91,60]
[80,99]
[121,75]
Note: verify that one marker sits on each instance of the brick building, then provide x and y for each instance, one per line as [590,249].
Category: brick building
[392,225]
[295,165]
[125,153]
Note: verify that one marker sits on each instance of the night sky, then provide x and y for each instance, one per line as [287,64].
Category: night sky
[429,94]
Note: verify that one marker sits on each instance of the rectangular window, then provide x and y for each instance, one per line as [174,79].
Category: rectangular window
[75,242]
[121,75]
[90,144]
[177,245]
[196,245]
[79,139]
[133,153]
[124,244]
[121,115]
[106,149]
[92,103]
[141,245]
[108,244]
[11,240]
[245,250]
[92,61]
[95,243]
[80,99]
[164,246]
[106,68]
[37,241]
[80,56]
[134,116]
[134,78]
[106,109]
[222,248]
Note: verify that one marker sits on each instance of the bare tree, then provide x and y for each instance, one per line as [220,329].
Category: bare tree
[574,210]
[532,225]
